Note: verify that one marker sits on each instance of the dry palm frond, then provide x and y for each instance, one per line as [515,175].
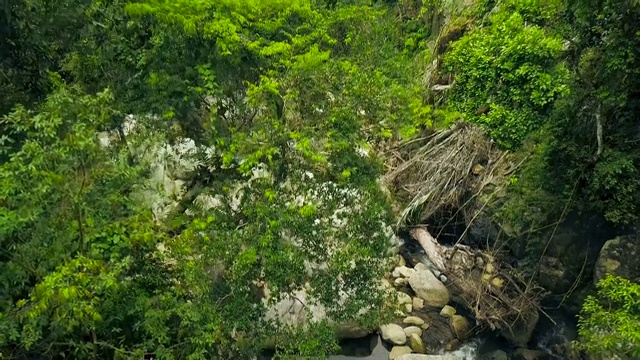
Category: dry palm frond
[439,173]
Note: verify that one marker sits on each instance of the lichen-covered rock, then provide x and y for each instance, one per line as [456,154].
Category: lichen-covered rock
[447,311]
[429,288]
[416,344]
[460,326]
[619,257]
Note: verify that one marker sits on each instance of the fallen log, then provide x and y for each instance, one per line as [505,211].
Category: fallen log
[499,298]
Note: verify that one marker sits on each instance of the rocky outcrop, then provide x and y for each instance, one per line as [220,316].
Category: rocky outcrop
[554,275]
[429,288]
[619,257]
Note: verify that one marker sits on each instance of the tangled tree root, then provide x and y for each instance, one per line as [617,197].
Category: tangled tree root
[499,298]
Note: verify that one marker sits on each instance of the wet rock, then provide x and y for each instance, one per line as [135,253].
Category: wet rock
[427,357]
[460,326]
[521,331]
[413,320]
[497,355]
[429,288]
[409,330]
[528,354]
[439,332]
[453,345]
[619,257]
[447,311]
[416,344]
[398,351]
[393,333]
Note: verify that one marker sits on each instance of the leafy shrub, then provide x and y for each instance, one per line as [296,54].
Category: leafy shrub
[609,325]
[507,77]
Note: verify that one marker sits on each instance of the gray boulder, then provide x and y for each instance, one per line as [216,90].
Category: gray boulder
[394,334]
[429,288]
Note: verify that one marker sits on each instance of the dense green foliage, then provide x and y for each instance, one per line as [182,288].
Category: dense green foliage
[610,321]
[170,171]
[286,101]
[507,76]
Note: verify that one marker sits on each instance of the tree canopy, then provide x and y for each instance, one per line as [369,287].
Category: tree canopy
[172,172]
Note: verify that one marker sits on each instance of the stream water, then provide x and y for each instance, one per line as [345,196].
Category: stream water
[547,336]
[554,330]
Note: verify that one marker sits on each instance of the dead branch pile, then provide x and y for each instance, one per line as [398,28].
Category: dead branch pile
[498,296]
[438,173]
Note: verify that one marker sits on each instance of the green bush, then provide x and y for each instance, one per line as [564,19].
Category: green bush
[507,77]
[609,324]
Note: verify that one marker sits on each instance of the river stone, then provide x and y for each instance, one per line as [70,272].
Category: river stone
[498,355]
[429,288]
[403,298]
[528,354]
[420,267]
[413,320]
[393,333]
[398,351]
[402,271]
[460,326]
[427,357]
[418,304]
[416,344]
[618,257]
[400,282]
[406,272]
[412,330]
[453,345]
[408,308]
[447,311]
[401,260]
